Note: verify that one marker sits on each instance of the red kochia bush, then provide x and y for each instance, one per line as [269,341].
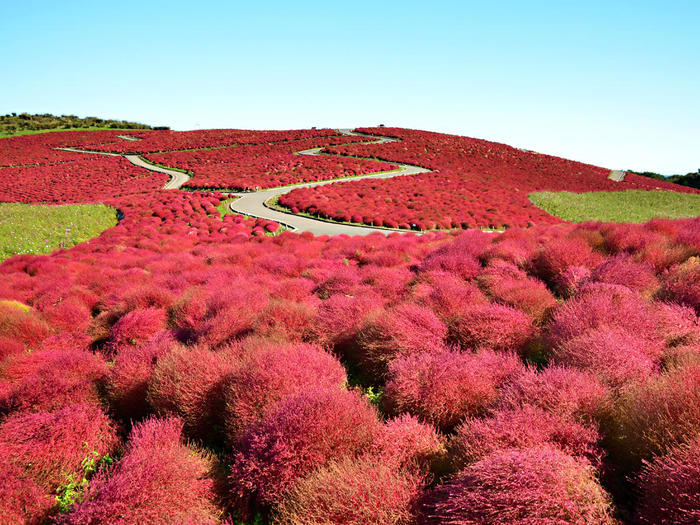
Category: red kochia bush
[49,379]
[535,485]
[138,327]
[188,382]
[670,487]
[305,432]
[443,388]
[492,326]
[654,416]
[127,384]
[682,284]
[603,305]
[523,428]
[157,478]
[23,501]
[563,391]
[353,492]
[405,442]
[616,356]
[20,323]
[51,446]
[556,256]
[404,330]
[623,269]
[677,325]
[269,373]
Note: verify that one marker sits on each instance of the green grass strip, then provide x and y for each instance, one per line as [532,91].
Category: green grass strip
[39,228]
[617,206]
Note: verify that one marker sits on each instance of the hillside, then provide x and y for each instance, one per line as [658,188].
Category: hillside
[192,364]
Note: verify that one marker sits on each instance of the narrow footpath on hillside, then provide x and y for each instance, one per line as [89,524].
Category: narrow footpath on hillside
[260,203]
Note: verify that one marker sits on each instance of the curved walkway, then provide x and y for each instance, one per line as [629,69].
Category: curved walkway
[255,204]
[258,203]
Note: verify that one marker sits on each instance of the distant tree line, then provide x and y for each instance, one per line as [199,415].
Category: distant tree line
[16,123]
[691,179]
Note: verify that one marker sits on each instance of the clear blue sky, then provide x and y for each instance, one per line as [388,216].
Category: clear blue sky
[609,82]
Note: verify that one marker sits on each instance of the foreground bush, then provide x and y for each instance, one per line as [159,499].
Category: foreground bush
[51,447]
[352,492]
[305,432]
[406,443]
[670,487]
[24,502]
[536,485]
[268,374]
[444,388]
[159,479]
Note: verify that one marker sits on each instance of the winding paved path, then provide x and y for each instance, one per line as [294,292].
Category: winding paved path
[255,204]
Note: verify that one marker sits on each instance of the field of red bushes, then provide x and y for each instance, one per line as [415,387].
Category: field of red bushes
[474,184]
[184,368]
[266,165]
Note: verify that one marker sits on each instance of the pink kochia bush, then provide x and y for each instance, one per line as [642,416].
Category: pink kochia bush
[189,382]
[523,428]
[445,387]
[158,479]
[305,432]
[669,487]
[49,379]
[269,373]
[522,486]
[138,327]
[50,446]
[406,442]
[353,492]
[402,331]
[492,326]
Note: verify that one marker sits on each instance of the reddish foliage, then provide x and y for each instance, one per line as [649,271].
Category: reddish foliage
[405,442]
[157,476]
[444,388]
[563,391]
[493,326]
[50,379]
[353,492]
[404,330]
[22,324]
[670,487]
[270,373]
[51,446]
[654,416]
[682,284]
[524,427]
[614,355]
[24,502]
[189,383]
[138,327]
[623,269]
[558,255]
[536,485]
[305,432]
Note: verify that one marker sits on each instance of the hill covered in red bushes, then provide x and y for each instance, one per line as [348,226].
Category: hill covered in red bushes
[188,368]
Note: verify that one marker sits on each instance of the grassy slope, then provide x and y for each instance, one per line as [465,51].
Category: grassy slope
[36,228]
[617,206]
[4,134]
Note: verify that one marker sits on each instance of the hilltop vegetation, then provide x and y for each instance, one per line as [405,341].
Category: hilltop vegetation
[24,123]
[692,179]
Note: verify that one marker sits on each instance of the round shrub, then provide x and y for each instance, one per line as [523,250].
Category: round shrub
[669,487]
[401,331]
[563,391]
[352,492]
[624,270]
[406,442]
[189,383]
[303,433]
[616,356]
[24,502]
[522,486]
[157,476]
[21,323]
[492,326]
[682,284]
[654,416]
[444,388]
[138,327]
[51,446]
[557,255]
[524,427]
[269,373]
